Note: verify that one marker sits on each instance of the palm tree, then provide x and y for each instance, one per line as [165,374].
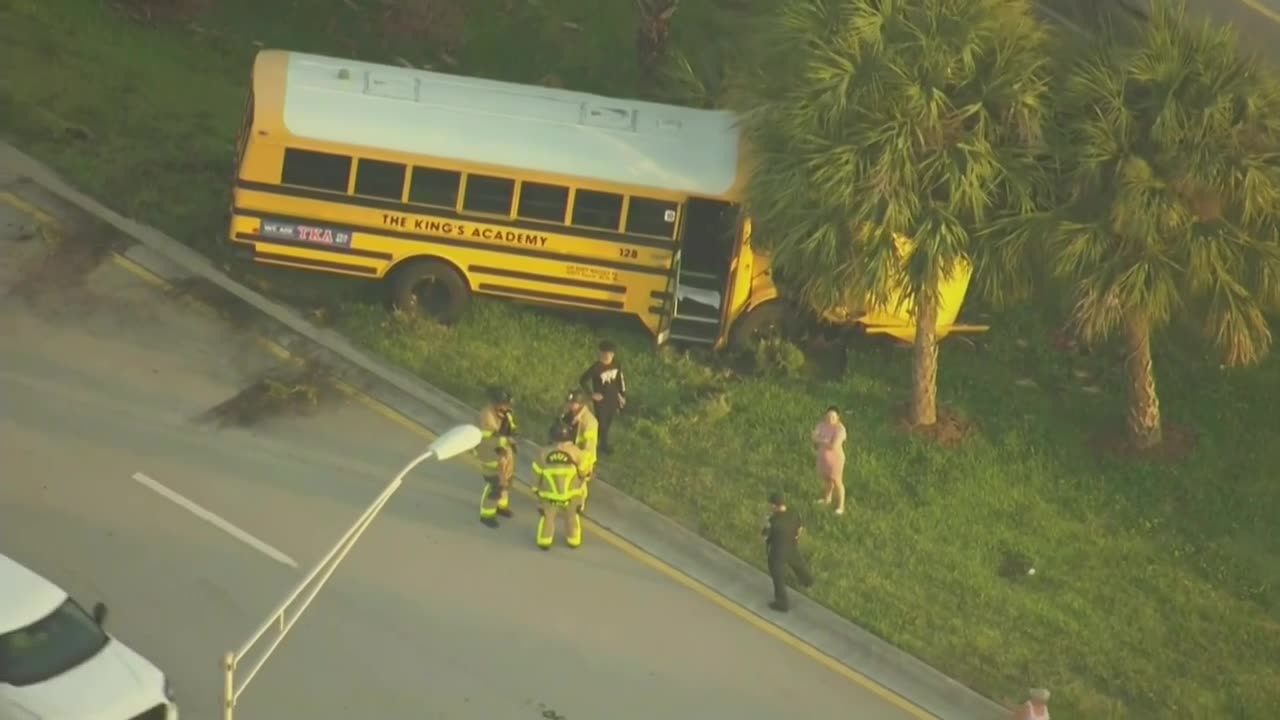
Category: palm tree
[1169,146]
[653,30]
[871,121]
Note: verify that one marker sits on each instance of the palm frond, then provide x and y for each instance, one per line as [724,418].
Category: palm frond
[868,121]
[1170,153]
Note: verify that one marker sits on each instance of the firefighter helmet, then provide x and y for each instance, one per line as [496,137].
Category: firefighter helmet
[561,433]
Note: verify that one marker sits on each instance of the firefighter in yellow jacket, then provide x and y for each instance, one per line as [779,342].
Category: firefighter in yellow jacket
[557,473]
[497,452]
[498,474]
[586,435]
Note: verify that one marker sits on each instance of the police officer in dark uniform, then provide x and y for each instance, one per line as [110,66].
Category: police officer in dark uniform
[781,540]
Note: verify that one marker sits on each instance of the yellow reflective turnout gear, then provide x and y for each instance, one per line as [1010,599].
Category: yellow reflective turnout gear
[558,483]
[495,499]
[496,429]
[587,429]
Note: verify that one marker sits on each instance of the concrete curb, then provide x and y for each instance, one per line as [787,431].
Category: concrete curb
[662,538]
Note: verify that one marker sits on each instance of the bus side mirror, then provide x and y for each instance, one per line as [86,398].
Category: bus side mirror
[99,613]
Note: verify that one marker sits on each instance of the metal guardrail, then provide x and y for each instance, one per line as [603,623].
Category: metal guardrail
[290,610]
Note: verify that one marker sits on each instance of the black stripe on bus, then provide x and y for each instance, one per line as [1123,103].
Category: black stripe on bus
[660,295]
[656,310]
[399,207]
[357,252]
[537,277]
[456,242]
[308,262]
[551,297]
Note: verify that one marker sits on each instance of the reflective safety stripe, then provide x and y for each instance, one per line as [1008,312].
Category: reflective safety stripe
[485,510]
[587,442]
[559,478]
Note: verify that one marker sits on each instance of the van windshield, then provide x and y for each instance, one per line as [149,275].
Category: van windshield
[61,640]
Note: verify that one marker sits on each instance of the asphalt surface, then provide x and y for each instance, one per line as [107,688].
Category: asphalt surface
[1257,22]
[104,379]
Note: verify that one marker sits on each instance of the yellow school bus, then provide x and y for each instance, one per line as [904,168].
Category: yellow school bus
[447,186]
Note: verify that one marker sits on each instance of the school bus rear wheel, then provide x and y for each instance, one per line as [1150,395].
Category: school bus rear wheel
[430,288]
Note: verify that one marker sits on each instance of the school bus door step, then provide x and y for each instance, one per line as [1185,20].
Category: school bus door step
[699,299]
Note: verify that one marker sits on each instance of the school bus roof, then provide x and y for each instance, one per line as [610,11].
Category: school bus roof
[531,128]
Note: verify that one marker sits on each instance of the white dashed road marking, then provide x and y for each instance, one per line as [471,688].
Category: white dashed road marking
[214,520]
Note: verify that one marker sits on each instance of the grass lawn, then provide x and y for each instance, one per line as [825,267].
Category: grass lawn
[1157,591]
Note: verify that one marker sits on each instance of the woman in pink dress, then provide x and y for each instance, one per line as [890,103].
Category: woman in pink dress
[828,442]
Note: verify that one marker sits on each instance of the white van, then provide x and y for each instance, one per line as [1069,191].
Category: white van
[57,663]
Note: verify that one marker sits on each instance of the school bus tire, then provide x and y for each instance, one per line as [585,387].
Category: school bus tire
[449,292]
[769,319]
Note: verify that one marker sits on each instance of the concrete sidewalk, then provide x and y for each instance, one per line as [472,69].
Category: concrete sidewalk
[830,637]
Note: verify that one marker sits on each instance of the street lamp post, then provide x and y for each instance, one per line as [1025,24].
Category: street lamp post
[452,443]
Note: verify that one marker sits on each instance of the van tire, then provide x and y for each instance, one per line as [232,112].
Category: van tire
[448,293]
[770,319]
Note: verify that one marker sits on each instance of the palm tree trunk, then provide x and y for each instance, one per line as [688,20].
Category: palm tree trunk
[924,386]
[1145,427]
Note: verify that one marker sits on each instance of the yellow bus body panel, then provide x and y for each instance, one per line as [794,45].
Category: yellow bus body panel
[545,263]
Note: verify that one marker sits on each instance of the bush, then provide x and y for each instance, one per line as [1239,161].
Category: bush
[778,358]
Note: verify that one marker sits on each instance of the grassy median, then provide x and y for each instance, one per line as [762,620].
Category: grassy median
[1157,592]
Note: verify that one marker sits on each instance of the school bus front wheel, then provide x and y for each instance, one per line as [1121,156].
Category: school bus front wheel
[768,320]
[431,288]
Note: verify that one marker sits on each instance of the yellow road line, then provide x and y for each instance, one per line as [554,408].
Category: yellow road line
[1263,10]
[21,205]
[621,544]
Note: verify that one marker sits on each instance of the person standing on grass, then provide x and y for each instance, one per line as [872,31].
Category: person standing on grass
[1036,708]
[781,542]
[828,443]
[607,385]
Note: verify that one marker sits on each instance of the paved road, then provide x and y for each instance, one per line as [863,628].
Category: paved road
[432,616]
[1257,21]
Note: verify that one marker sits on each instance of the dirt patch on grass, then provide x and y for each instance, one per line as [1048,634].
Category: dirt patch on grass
[290,391]
[950,430]
[1177,447]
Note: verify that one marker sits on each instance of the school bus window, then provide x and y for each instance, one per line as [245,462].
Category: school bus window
[375,178]
[646,216]
[597,210]
[489,195]
[543,202]
[316,170]
[438,188]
